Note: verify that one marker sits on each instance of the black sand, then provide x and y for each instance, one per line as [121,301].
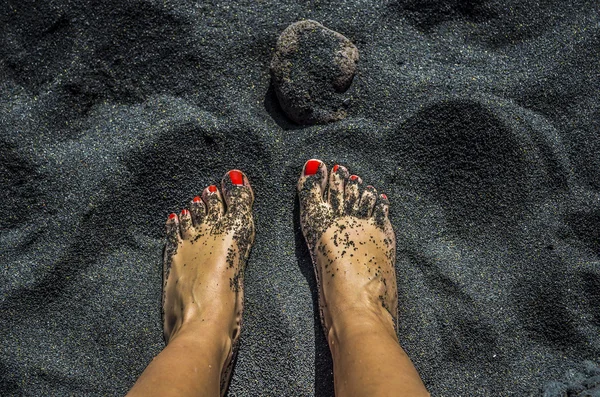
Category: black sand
[479,120]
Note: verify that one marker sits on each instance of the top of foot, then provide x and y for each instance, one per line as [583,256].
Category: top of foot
[351,241]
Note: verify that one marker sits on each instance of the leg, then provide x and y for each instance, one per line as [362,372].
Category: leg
[205,256]
[190,365]
[353,248]
[368,360]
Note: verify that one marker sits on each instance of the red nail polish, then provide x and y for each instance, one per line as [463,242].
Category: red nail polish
[311,167]
[184,212]
[172,216]
[353,177]
[335,168]
[212,188]
[236,178]
[370,187]
[196,199]
[383,196]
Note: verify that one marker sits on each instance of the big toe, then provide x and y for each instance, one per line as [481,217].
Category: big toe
[311,184]
[238,193]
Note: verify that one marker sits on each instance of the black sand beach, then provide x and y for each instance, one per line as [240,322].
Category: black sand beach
[479,119]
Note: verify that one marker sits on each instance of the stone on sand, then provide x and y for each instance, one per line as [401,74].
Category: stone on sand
[312,68]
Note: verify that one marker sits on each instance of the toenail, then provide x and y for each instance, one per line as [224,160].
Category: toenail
[335,168]
[370,187]
[184,212]
[212,188]
[172,216]
[236,178]
[383,196]
[311,168]
[353,177]
[196,199]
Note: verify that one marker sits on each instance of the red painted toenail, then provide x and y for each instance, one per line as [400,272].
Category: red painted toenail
[212,188]
[312,167]
[172,216]
[196,199]
[353,177]
[335,168]
[236,178]
[383,196]
[184,212]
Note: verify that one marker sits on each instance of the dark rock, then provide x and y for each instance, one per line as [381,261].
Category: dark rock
[312,68]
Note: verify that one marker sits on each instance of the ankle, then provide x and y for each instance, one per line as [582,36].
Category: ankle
[358,322]
[195,310]
[217,321]
[207,336]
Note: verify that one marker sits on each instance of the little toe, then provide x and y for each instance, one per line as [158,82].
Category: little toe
[238,192]
[197,210]
[173,234]
[311,184]
[367,202]
[381,211]
[185,224]
[337,182]
[352,194]
[214,204]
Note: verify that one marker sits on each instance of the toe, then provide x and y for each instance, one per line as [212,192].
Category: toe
[214,204]
[185,224]
[312,183]
[352,194]
[197,210]
[337,181]
[367,202]
[381,211]
[237,191]
[173,234]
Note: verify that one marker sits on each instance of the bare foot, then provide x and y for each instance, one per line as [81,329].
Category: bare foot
[205,256]
[351,242]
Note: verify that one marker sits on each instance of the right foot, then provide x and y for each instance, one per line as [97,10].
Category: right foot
[351,242]
[205,256]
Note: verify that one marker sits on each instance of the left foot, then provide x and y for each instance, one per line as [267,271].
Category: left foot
[205,256]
